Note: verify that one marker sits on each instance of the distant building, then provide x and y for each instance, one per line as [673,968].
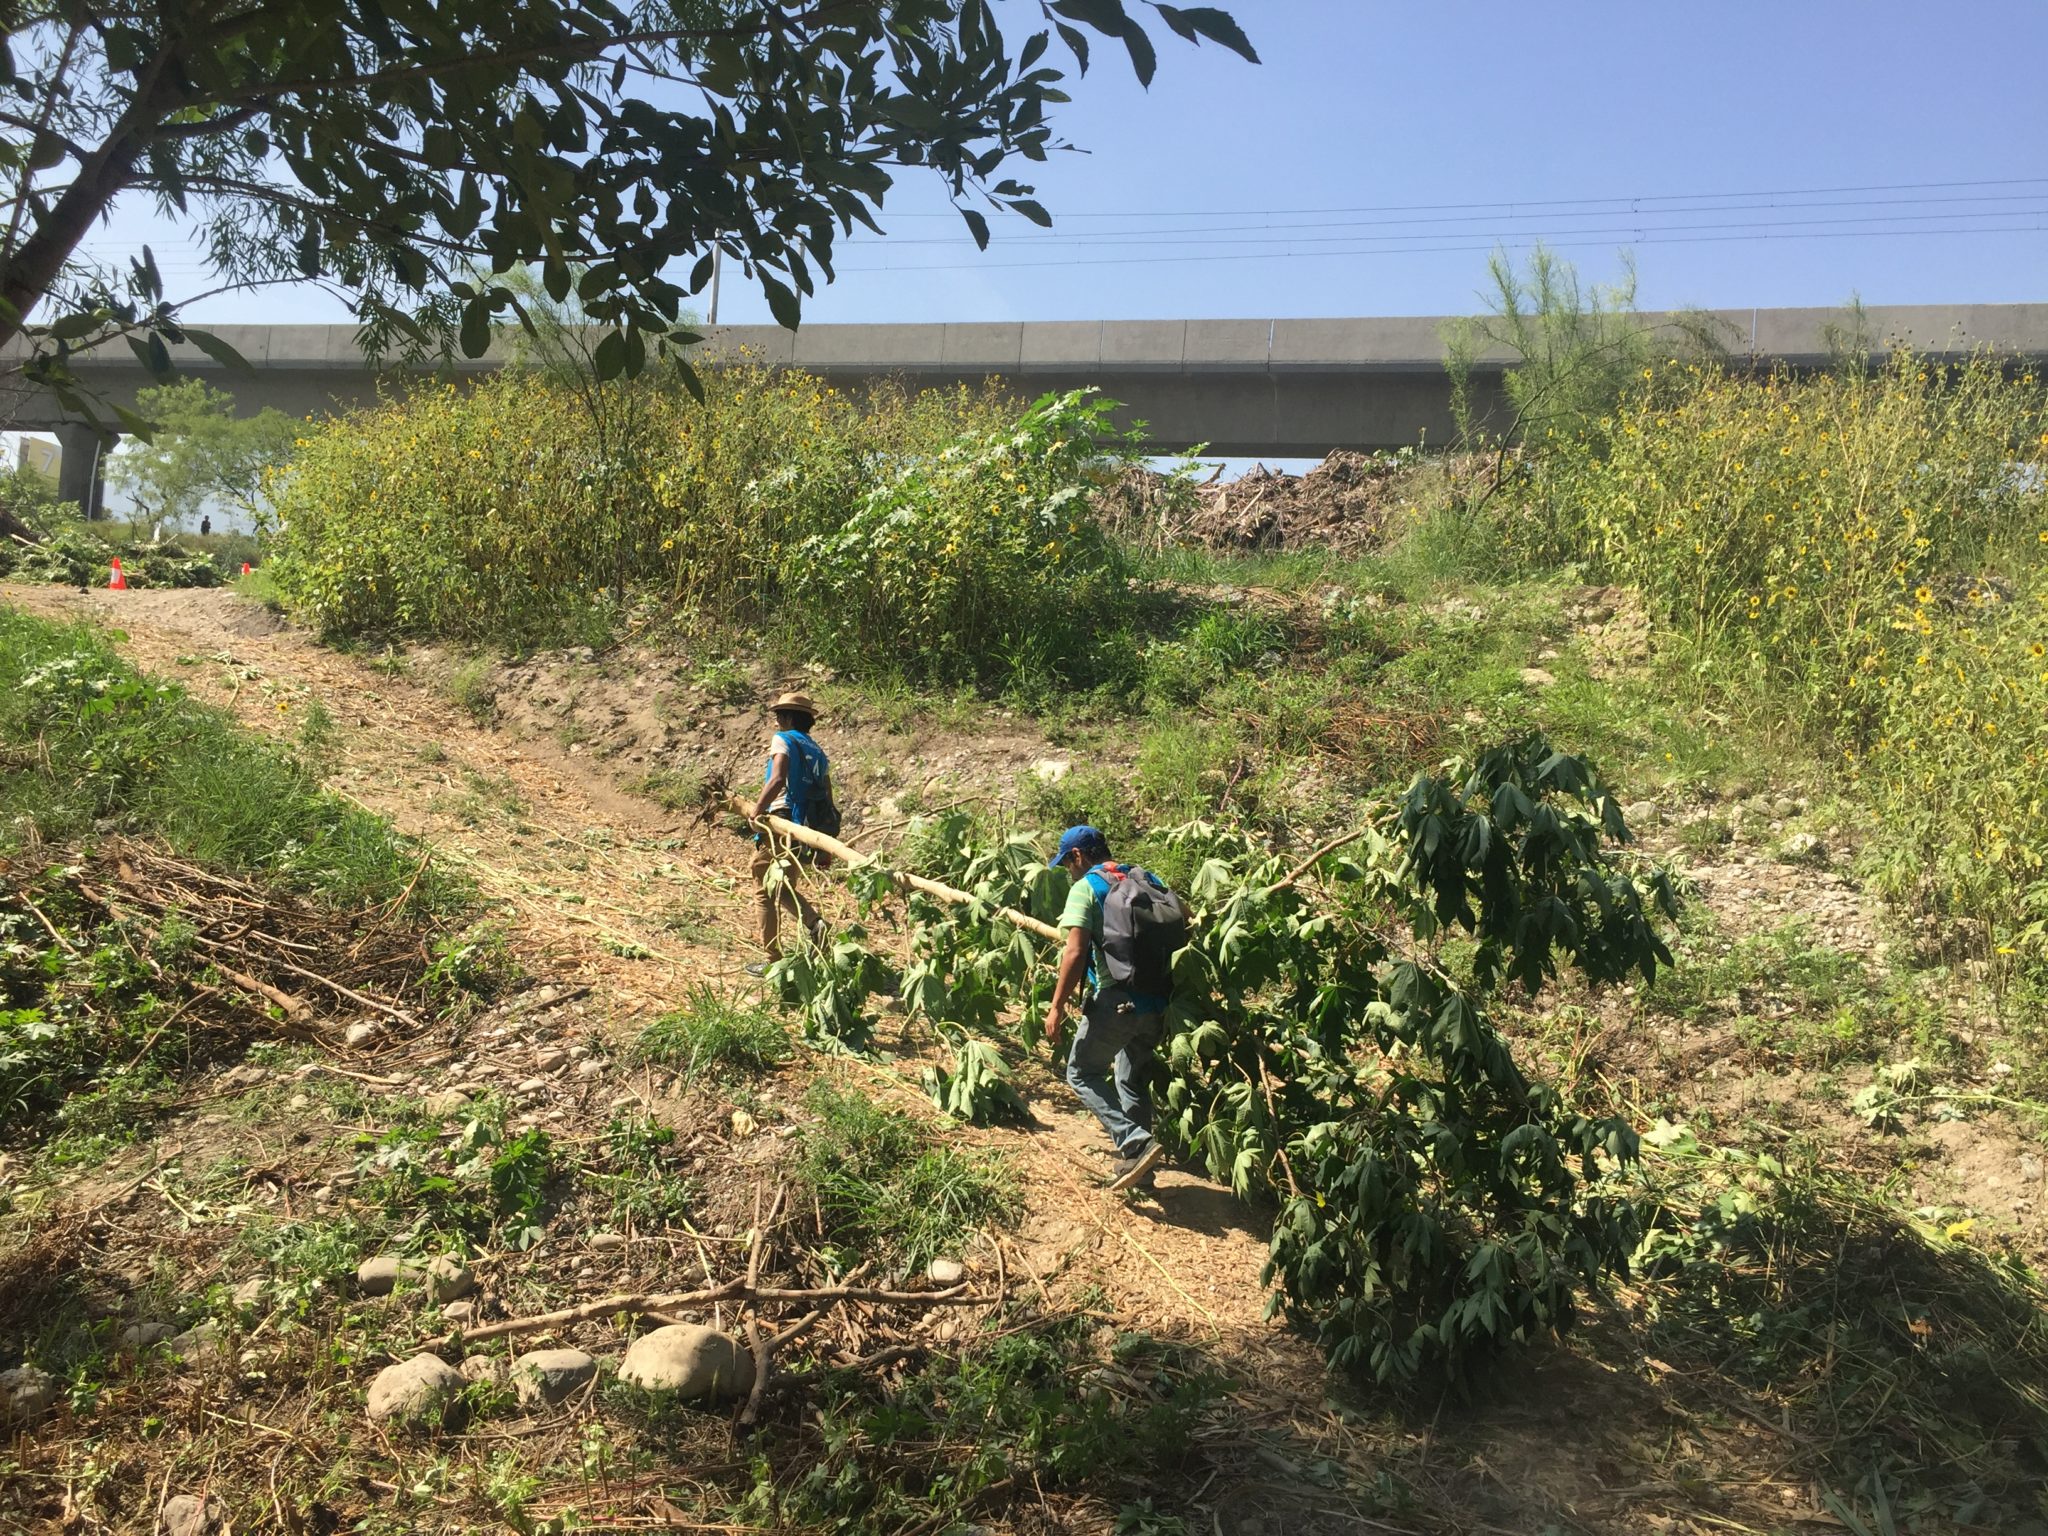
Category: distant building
[40,454]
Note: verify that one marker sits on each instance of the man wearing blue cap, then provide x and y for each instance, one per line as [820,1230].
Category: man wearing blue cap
[1119,1027]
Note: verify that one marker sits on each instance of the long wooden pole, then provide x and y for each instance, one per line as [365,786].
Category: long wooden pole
[851,855]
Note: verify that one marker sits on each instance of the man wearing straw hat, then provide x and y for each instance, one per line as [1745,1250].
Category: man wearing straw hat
[796,784]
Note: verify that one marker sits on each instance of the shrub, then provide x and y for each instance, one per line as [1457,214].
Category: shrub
[499,514]
[980,562]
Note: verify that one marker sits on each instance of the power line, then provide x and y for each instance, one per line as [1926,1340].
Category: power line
[1516,202]
[1428,250]
[1102,238]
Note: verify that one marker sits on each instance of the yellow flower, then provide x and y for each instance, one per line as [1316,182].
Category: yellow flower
[1923,594]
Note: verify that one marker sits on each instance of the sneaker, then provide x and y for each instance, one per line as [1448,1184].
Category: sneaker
[1136,1172]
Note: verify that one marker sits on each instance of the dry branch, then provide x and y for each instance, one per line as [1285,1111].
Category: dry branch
[733,1290]
[847,853]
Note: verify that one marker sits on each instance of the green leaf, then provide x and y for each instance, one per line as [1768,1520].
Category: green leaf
[476,327]
[151,352]
[80,323]
[1207,21]
[977,226]
[218,350]
[1144,60]
[1032,211]
[609,361]
[781,302]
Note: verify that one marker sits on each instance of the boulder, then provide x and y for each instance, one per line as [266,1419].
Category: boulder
[26,1394]
[190,1514]
[420,1388]
[549,1375]
[690,1361]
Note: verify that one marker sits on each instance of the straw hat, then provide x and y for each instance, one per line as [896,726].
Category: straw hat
[795,703]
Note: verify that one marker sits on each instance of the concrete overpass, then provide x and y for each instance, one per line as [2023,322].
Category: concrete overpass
[1258,388]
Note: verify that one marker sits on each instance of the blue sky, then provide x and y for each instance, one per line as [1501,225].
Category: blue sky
[1398,142]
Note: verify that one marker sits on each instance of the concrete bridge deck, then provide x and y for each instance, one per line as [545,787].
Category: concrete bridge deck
[1272,388]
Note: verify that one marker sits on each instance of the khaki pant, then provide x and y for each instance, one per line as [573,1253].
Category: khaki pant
[790,898]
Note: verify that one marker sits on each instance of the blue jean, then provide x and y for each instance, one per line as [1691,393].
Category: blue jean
[1114,1035]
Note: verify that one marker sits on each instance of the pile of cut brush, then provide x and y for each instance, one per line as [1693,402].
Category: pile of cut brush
[1347,504]
[133,957]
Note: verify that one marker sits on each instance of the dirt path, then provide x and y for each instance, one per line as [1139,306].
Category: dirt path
[602,888]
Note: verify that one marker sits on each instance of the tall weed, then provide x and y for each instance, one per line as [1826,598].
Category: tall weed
[1865,555]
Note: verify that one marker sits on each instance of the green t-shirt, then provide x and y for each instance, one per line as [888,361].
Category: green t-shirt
[1084,910]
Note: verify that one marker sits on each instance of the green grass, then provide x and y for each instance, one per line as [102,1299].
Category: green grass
[884,1183]
[88,744]
[474,687]
[716,1036]
[673,789]
[1799,1001]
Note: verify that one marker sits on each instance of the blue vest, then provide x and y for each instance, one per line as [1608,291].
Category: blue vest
[808,768]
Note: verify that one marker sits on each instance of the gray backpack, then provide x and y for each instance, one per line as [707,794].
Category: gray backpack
[1143,927]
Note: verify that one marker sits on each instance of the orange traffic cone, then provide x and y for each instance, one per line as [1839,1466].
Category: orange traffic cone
[117,582]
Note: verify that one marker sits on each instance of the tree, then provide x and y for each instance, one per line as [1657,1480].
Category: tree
[200,452]
[387,147]
[1572,349]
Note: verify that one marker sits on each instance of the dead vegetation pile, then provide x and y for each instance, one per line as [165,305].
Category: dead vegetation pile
[1348,504]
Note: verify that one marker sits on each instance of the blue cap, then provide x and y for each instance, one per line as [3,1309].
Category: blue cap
[1087,838]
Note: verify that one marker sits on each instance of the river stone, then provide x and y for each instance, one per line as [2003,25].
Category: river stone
[486,1368]
[448,1279]
[946,1271]
[379,1275]
[1800,848]
[690,1361]
[1641,813]
[200,1342]
[26,1393]
[1537,677]
[249,1294]
[549,1375]
[460,1312]
[189,1515]
[419,1388]
[606,1242]
[448,1101]
[146,1335]
[364,1033]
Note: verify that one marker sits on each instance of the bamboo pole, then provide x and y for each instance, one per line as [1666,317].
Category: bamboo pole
[851,855]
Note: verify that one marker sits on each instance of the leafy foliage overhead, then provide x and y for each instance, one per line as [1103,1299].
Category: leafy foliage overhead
[390,149]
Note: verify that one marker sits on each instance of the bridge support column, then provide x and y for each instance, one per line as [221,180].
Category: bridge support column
[80,474]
